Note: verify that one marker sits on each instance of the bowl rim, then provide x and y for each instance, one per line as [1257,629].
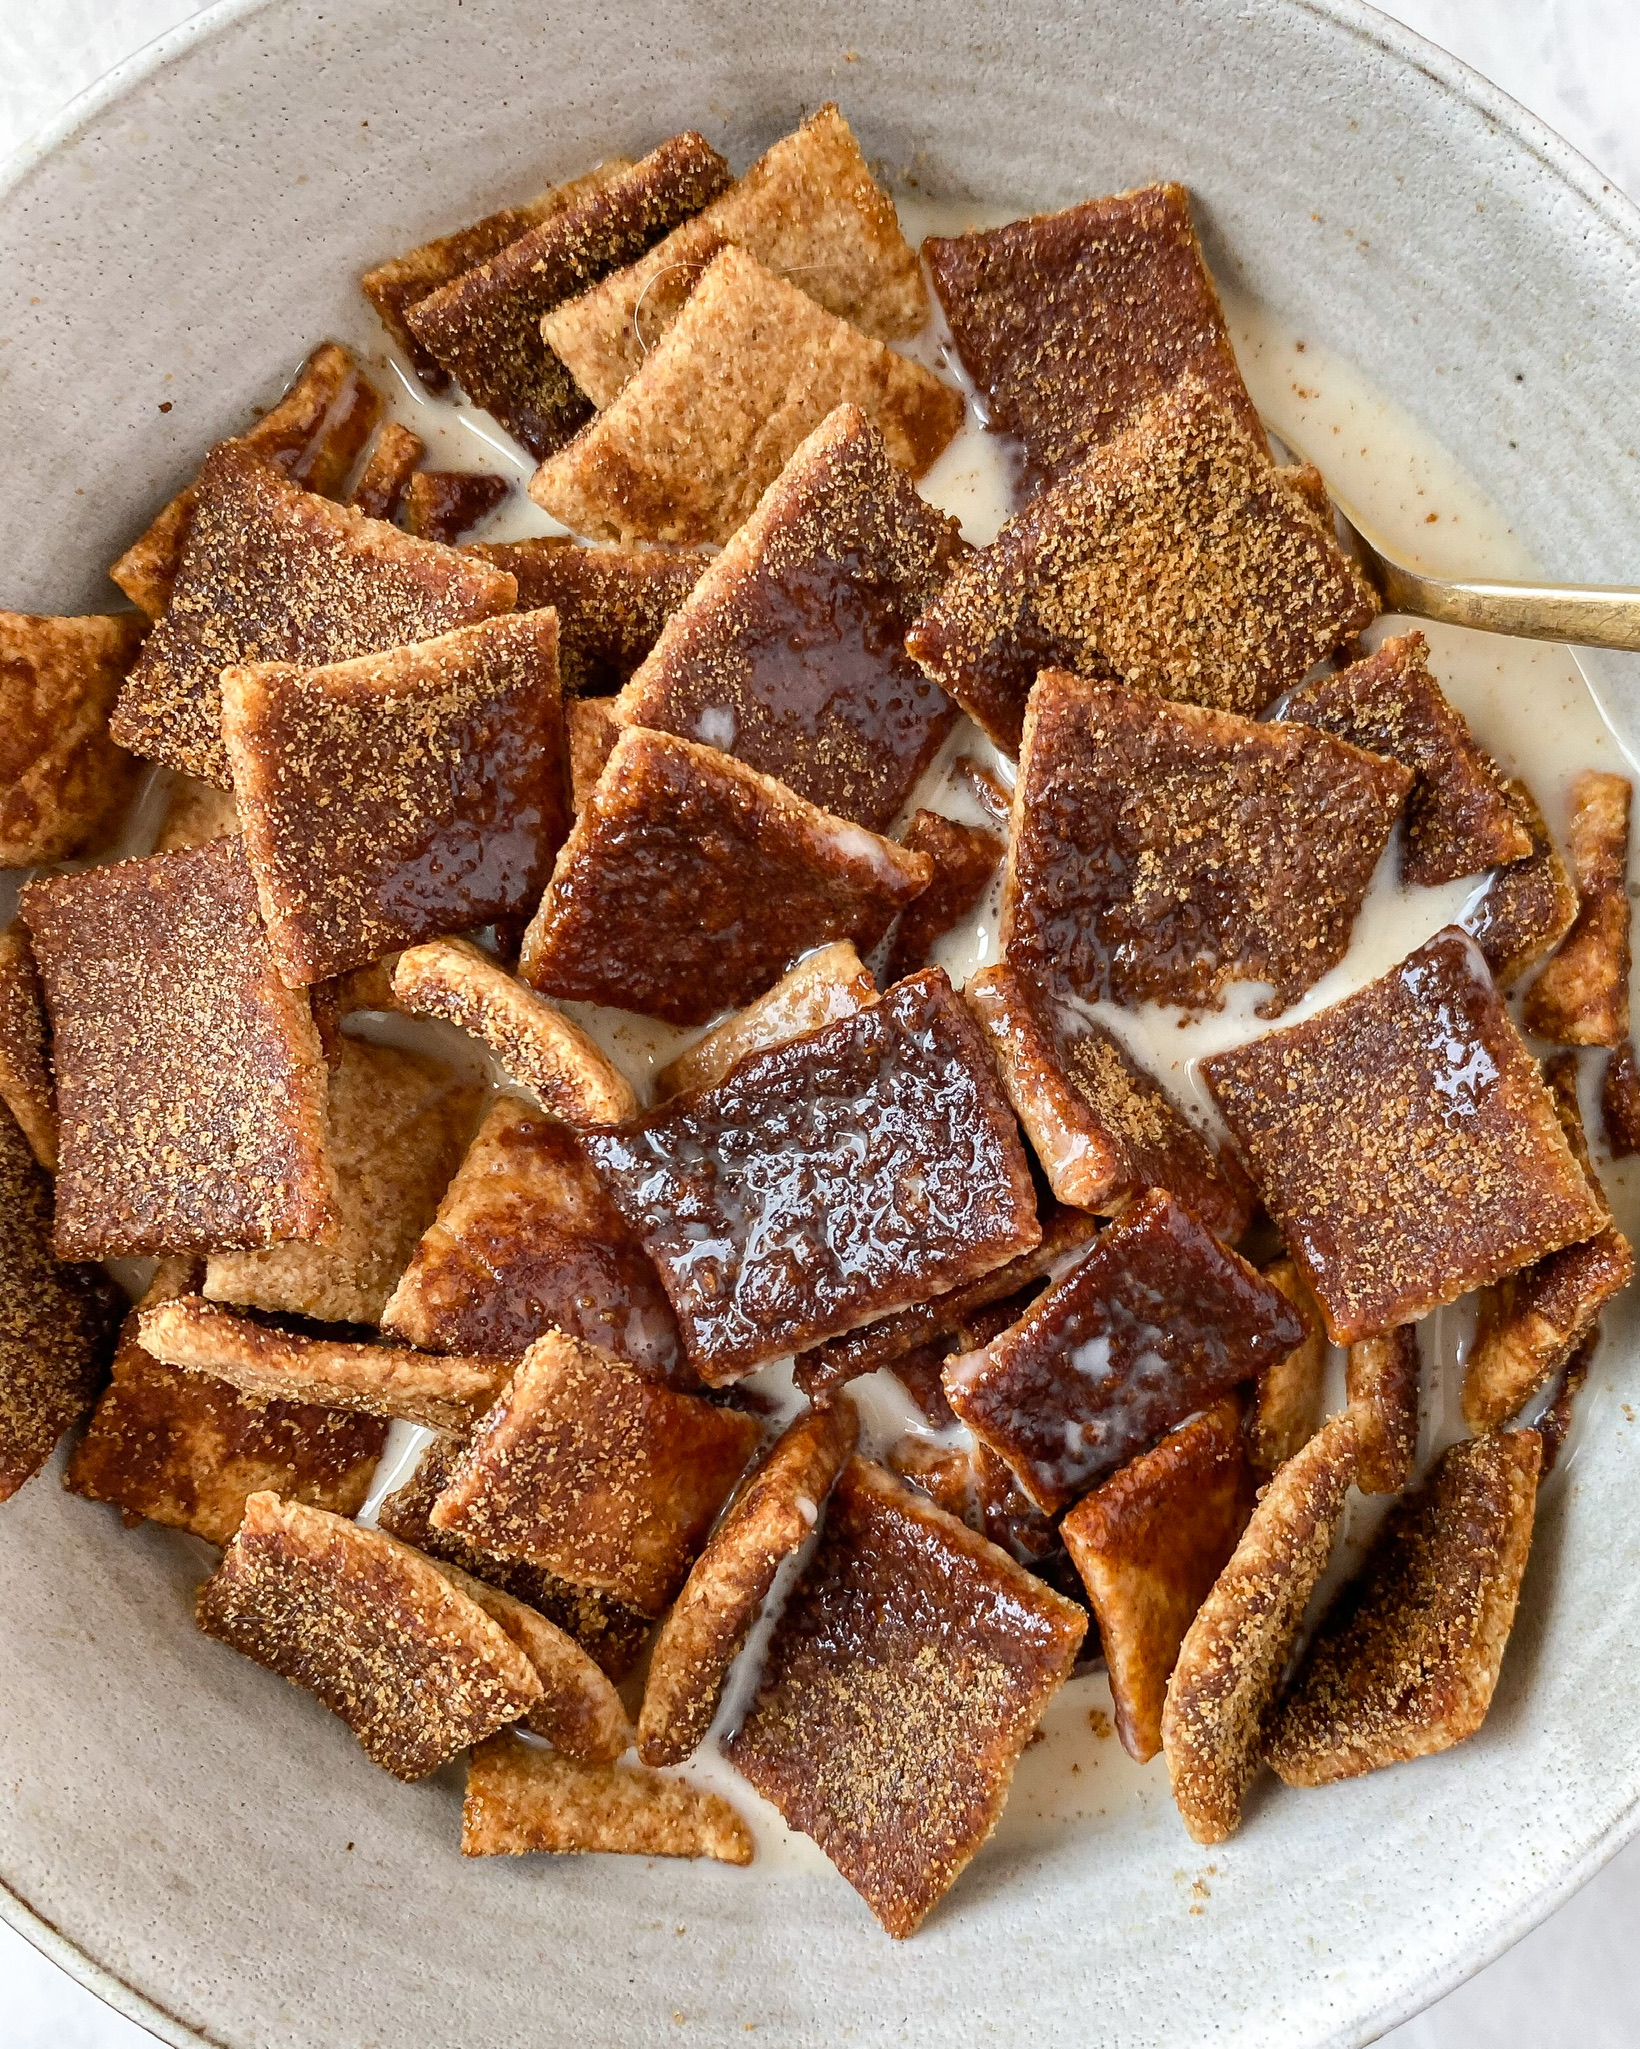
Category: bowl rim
[1366,24]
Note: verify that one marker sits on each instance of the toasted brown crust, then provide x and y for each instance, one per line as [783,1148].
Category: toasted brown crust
[1405,1662]
[396,453]
[824,985]
[964,858]
[1619,1102]
[611,602]
[1554,1424]
[26,1086]
[445,505]
[1383,1383]
[1528,907]
[521,1797]
[63,782]
[1582,996]
[590,733]
[1286,1410]
[196,814]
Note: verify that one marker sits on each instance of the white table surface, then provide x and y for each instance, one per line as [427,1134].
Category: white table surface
[1573,1983]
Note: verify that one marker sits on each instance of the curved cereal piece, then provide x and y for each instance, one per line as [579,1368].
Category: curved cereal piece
[1287,1399]
[830,983]
[1382,1384]
[1531,1324]
[1581,997]
[26,1086]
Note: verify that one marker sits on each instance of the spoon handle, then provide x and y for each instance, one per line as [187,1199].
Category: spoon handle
[1587,615]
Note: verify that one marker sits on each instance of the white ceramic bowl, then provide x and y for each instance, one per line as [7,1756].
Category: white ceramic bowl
[220,1861]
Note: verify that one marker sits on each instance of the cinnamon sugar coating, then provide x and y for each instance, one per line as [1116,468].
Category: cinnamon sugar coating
[824,985]
[976,1487]
[1286,1410]
[396,454]
[857,1170]
[1405,1662]
[689,883]
[63,782]
[1582,996]
[191,1085]
[522,1797]
[964,859]
[590,733]
[789,652]
[445,505]
[1404,1143]
[611,602]
[904,1679]
[26,1086]
[1619,1102]
[1383,1383]
[1528,907]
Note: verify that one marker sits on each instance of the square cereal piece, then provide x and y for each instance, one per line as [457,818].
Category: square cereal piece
[484,326]
[1528,907]
[611,602]
[772,1515]
[525,1241]
[272,573]
[1383,1385]
[1286,1407]
[26,1086]
[1161,851]
[826,1182]
[388,467]
[1404,1143]
[825,985]
[396,1130]
[1157,1321]
[191,1085]
[1459,817]
[414,1667]
[749,368]
[789,653]
[964,858]
[402,795]
[195,814]
[523,1797]
[590,733]
[1581,997]
[599,1474]
[689,883]
[1102,1127]
[446,505]
[1405,1662]
[1070,322]
[808,209]
[906,1675]
[1175,556]
[533,1040]
[63,782]
[1619,1102]
[1149,1544]
[188,1450]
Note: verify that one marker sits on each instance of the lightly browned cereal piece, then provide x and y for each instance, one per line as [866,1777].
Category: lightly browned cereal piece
[808,209]
[197,813]
[1619,1102]
[1382,1385]
[1157,1321]
[824,985]
[398,796]
[387,470]
[689,883]
[602,1476]
[63,782]
[532,1039]
[1236,1649]
[773,1514]
[964,858]
[1161,851]
[1174,556]
[523,1797]
[789,653]
[190,1082]
[747,371]
[1404,1143]
[1405,1662]
[1528,907]
[445,505]
[903,1680]
[1149,1544]
[1102,1127]
[484,326]
[590,733]
[26,1086]
[412,1665]
[1582,996]
[272,573]
[827,1182]
[1286,1408]
[611,602]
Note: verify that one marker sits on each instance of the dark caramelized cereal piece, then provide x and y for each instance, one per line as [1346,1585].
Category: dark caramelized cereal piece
[1404,1143]
[611,602]
[1555,1423]
[965,857]
[1528,907]
[1382,1383]
[387,471]
[413,1666]
[1619,1102]
[445,505]
[905,1677]
[774,1513]
[1582,996]
[1286,1411]
[689,883]
[1161,851]
[63,782]
[1158,1321]
[26,1086]
[197,812]
[1405,1662]
[825,985]
[1149,1544]
[523,1797]
[590,733]
[824,1183]
[190,1082]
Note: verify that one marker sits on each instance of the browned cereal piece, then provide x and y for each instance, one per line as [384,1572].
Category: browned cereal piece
[590,733]
[689,883]
[987,791]
[1582,996]
[599,1474]
[964,858]
[825,985]
[611,602]
[1286,1409]
[1149,1544]
[387,471]
[1101,1126]
[945,1473]
[341,996]
[412,1665]
[773,1514]
[1404,1143]
[484,326]
[26,1087]
[1382,1383]
[1405,1661]
[272,573]
[401,795]
[445,505]
[1157,1321]
[789,652]
[196,814]
[905,1677]
[1236,1650]
[808,209]
[190,1082]
[63,782]
[533,1040]
[1528,907]
[1619,1102]
[824,1183]
[1174,556]
[523,1797]
[1161,851]
[976,1487]
[1554,1424]
[749,368]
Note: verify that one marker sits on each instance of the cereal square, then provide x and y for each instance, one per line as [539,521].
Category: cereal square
[611,602]
[825,985]
[1581,997]
[26,1085]
[446,505]
[1384,1385]
[1287,1397]
[397,453]
[1527,908]
[63,782]
[523,1797]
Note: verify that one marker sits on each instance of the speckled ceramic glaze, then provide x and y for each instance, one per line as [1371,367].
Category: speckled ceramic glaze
[217,1858]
